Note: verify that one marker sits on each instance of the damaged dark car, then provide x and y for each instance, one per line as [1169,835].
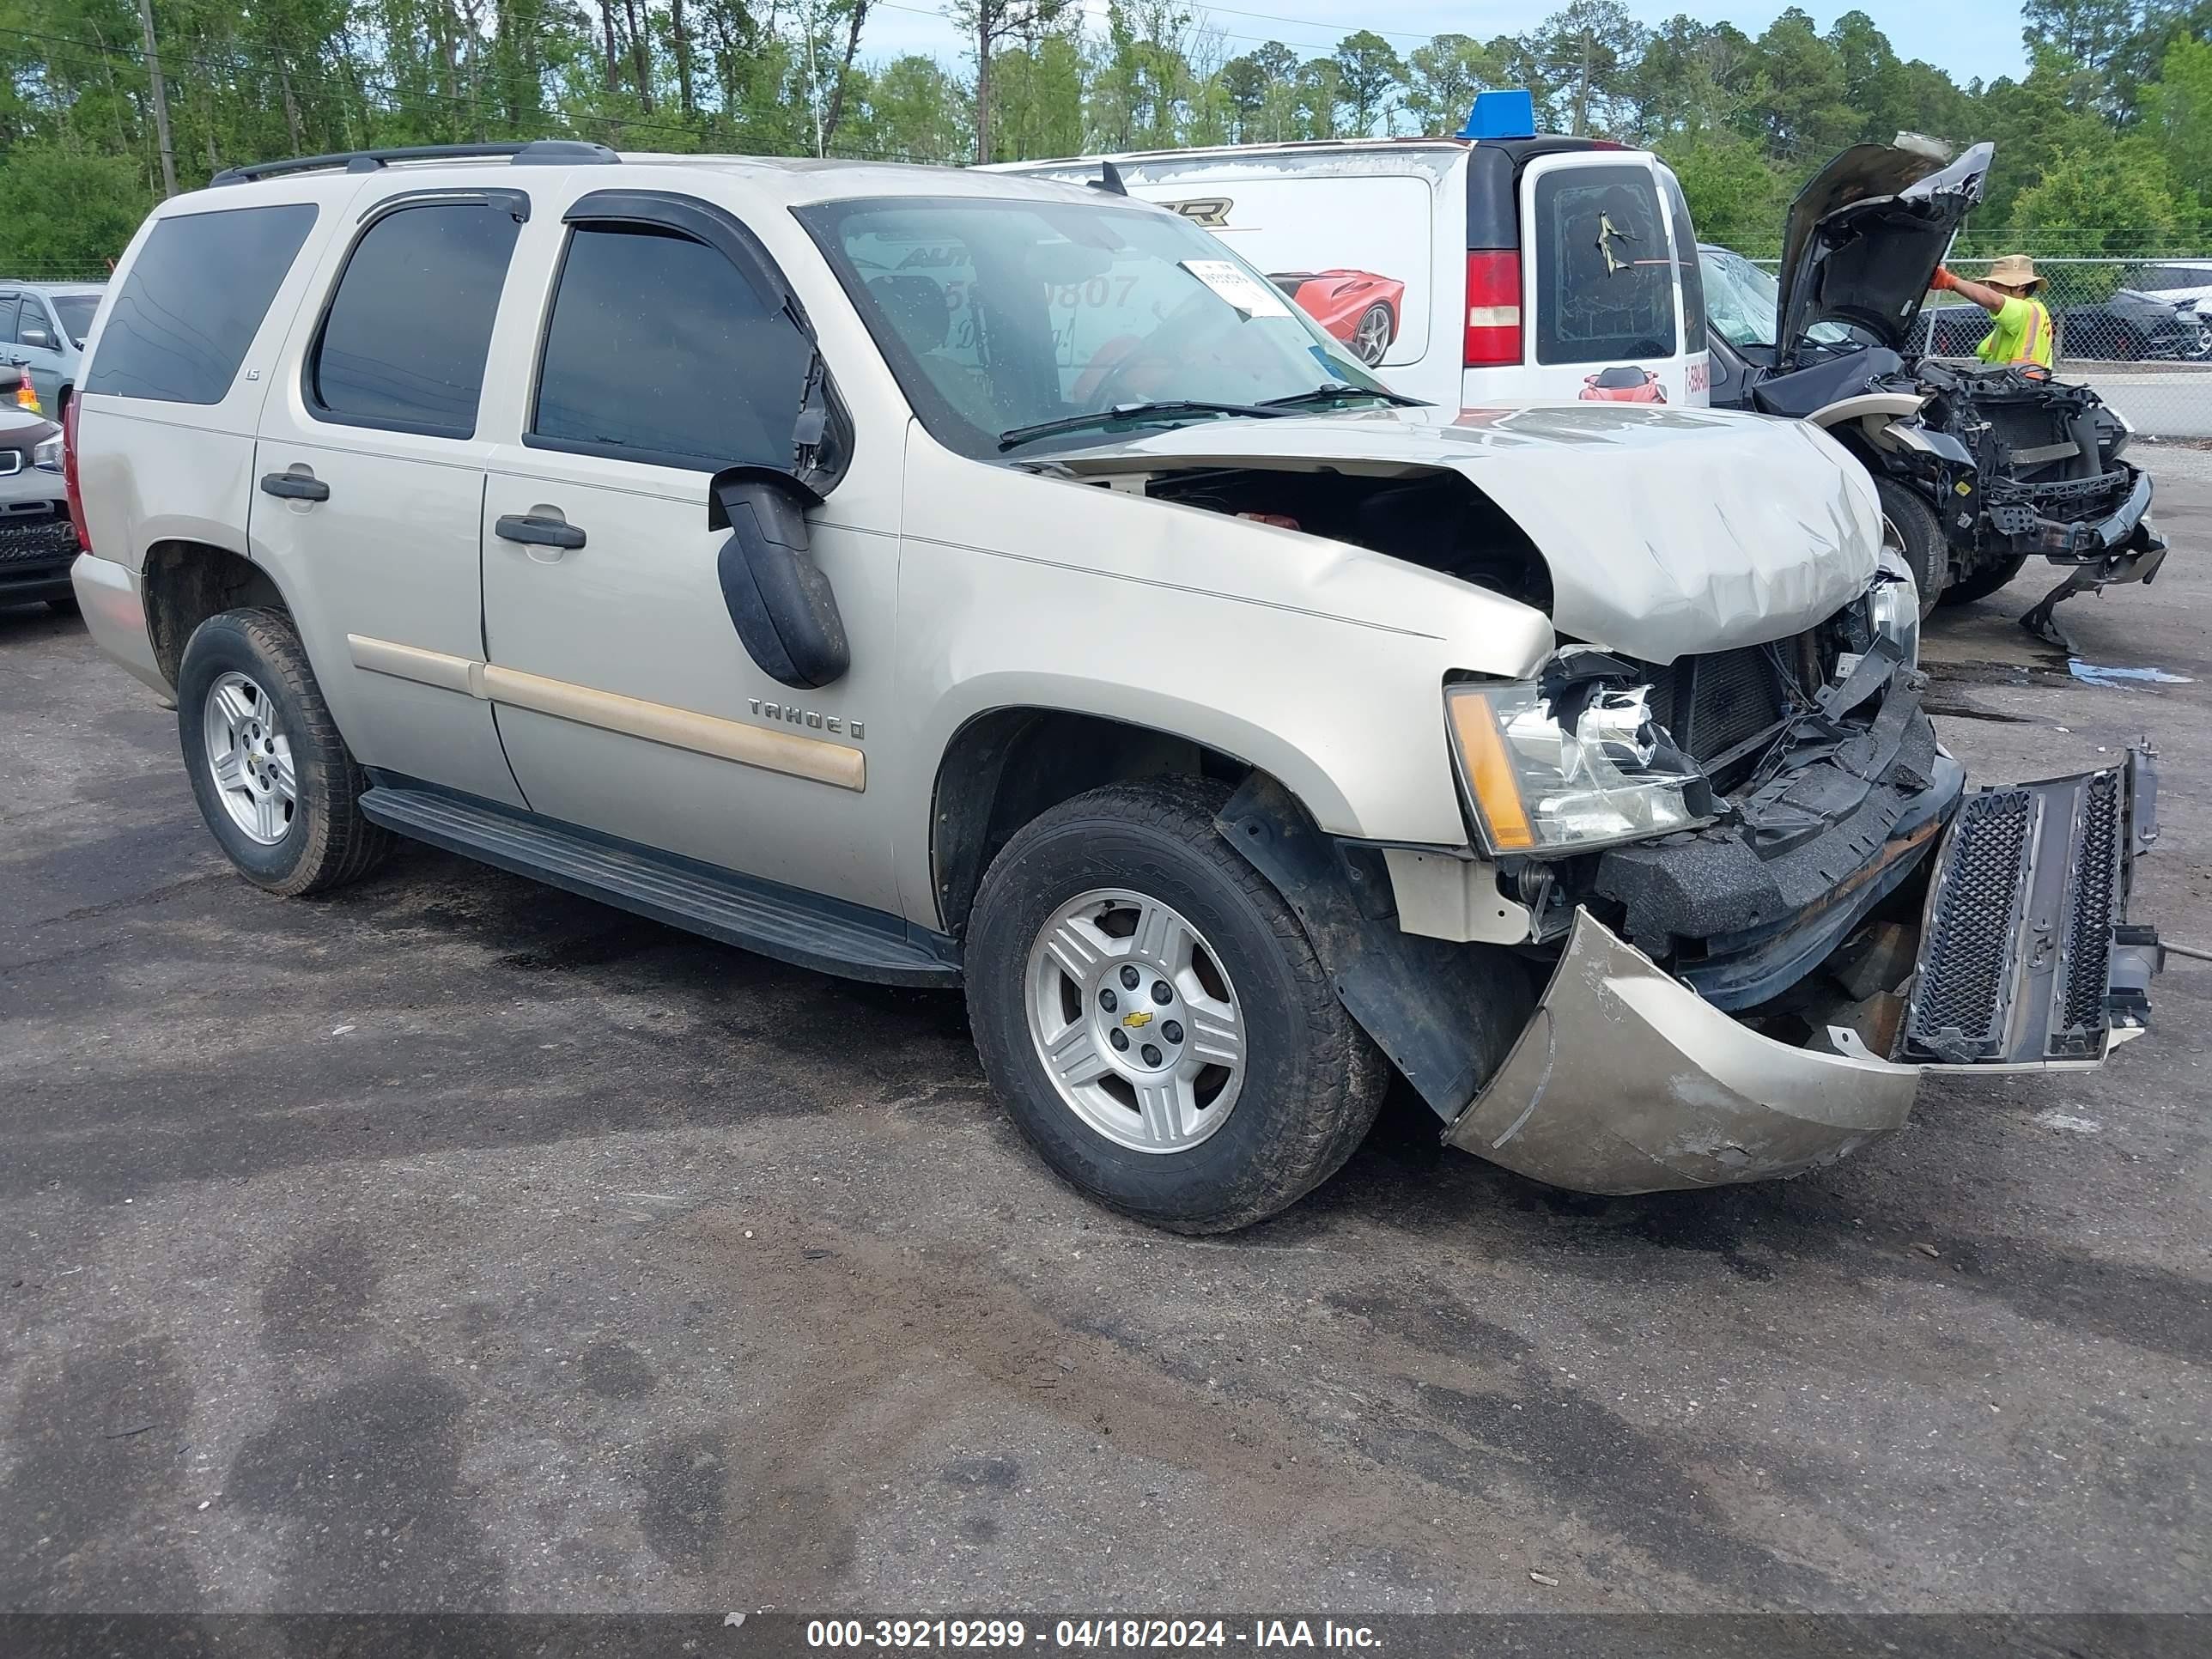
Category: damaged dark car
[1979,468]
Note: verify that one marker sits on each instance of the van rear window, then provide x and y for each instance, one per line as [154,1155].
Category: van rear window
[193,301]
[1605,277]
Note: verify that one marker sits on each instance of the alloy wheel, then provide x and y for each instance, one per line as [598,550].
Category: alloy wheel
[1371,336]
[249,759]
[1135,1021]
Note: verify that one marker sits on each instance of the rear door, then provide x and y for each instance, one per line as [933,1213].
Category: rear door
[1603,281]
[369,479]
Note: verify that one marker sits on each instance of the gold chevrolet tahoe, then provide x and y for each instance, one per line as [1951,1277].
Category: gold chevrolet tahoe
[949,578]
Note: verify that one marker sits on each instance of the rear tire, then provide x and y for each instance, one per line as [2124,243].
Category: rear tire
[1980,584]
[1919,528]
[278,787]
[1073,887]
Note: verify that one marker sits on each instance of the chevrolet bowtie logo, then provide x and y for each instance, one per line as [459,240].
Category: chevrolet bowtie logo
[1137,1020]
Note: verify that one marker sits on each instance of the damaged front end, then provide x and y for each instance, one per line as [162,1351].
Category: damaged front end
[1757,995]
[2033,468]
[1765,901]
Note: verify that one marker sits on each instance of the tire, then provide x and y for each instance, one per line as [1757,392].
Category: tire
[1980,584]
[1308,1081]
[247,671]
[1378,325]
[1925,548]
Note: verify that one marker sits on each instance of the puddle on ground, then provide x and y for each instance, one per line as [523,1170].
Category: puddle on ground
[2092,674]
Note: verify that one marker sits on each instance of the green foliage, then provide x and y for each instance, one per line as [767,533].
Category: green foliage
[2104,145]
[67,213]
[1736,199]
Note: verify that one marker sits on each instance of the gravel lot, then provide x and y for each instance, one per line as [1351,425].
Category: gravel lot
[454,1242]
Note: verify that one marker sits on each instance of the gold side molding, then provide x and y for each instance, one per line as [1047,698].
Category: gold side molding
[814,758]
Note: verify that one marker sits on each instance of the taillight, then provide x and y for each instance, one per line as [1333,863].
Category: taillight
[1494,306]
[69,474]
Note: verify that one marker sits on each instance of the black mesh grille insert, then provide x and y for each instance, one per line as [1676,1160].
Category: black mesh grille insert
[2089,939]
[1958,1006]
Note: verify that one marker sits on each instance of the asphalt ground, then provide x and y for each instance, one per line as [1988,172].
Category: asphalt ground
[451,1242]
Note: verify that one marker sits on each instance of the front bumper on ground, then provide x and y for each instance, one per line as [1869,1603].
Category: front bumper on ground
[1627,1081]
[2016,527]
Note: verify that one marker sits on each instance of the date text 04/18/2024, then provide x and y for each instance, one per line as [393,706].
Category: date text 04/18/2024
[1082,1634]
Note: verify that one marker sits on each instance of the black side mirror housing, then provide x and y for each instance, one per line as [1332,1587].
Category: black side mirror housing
[780,601]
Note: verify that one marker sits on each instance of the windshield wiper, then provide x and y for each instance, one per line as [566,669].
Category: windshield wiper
[1169,408]
[1337,392]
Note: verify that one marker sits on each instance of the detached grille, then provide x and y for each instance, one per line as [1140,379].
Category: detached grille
[1711,704]
[1966,970]
[2090,954]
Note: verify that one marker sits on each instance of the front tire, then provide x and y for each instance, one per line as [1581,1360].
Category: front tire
[1921,534]
[276,783]
[1224,1083]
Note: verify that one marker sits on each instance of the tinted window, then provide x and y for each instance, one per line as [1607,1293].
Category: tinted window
[660,350]
[1605,278]
[7,319]
[1685,265]
[193,301]
[405,342]
[33,320]
[77,311]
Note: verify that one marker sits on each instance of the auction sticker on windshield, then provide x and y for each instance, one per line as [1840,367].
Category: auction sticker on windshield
[1246,293]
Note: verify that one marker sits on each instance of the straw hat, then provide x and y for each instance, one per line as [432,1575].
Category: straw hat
[2016,271]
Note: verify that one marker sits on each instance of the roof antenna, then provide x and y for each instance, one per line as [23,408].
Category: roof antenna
[1109,179]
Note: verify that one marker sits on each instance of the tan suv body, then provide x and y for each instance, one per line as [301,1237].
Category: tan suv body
[950,579]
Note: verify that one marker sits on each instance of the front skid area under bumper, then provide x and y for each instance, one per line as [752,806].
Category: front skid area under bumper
[1625,1080]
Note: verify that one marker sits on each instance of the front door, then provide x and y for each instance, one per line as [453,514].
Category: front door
[369,481]
[626,703]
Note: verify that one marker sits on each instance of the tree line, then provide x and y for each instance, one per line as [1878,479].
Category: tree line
[2103,145]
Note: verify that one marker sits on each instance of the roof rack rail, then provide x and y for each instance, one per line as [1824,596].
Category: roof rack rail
[538,152]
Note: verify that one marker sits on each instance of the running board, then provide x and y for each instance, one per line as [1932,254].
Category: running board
[801,928]
[2026,956]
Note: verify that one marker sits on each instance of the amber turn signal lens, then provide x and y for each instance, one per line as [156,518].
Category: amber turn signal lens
[1489,774]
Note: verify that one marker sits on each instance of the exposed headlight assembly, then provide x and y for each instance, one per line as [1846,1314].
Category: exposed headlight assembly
[1561,768]
[1894,602]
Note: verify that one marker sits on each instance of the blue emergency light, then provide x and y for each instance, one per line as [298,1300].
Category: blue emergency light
[1508,114]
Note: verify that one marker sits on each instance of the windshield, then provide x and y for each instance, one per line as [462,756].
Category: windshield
[1001,315]
[1742,299]
[77,311]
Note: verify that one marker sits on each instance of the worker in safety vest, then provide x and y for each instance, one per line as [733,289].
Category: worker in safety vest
[2022,333]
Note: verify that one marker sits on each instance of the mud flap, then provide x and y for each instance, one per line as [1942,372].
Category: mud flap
[2027,954]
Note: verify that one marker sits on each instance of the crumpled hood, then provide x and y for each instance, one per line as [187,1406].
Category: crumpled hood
[1864,237]
[1667,531]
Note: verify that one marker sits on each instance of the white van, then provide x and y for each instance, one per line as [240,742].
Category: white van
[1470,273]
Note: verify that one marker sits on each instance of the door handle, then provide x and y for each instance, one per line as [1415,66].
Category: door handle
[532,531]
[294,486]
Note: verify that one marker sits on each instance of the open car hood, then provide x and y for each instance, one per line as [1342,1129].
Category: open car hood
[1864,237]
[1667,531]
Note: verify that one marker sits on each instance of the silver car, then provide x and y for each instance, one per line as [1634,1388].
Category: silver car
[43,328]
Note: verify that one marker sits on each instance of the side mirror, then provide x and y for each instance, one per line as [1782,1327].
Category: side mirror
[780,601]
[34,336]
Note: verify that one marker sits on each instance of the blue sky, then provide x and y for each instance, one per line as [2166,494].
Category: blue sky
[1969,38]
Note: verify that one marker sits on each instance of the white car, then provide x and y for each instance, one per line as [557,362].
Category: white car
[953,579]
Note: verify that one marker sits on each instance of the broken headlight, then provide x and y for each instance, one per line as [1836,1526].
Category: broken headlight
[1893,601]
[1562,768]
